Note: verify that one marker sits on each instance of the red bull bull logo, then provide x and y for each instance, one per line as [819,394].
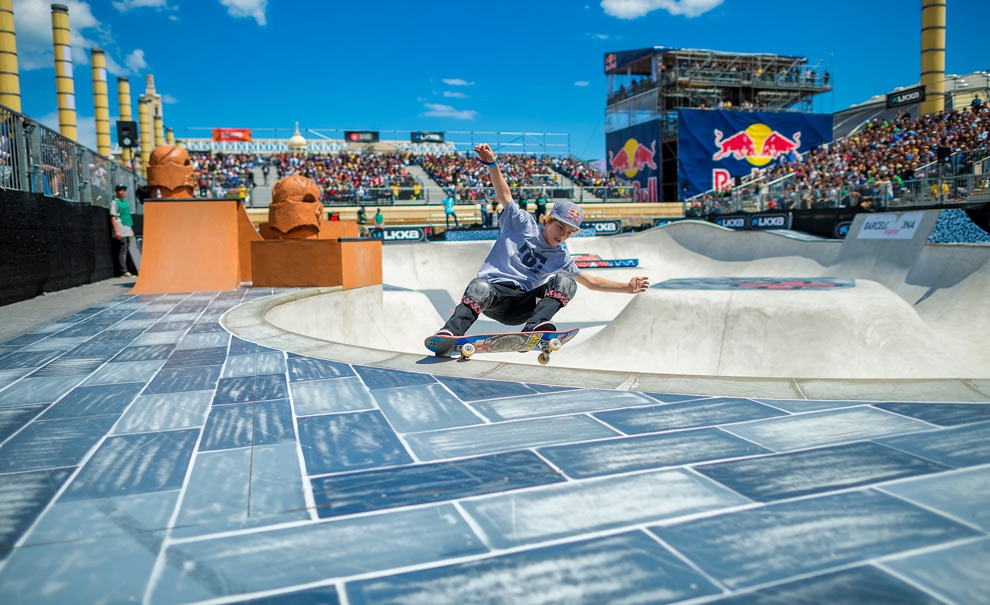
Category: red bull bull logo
[758,144]
[633,157]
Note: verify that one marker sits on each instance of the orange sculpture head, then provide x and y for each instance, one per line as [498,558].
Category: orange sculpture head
[296,211]
[170,173]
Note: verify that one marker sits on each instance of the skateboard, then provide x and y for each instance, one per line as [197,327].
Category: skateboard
[466,346]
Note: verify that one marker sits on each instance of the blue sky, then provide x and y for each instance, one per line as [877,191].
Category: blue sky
[510,66]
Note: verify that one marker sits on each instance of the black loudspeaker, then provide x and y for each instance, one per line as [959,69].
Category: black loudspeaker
[127,134]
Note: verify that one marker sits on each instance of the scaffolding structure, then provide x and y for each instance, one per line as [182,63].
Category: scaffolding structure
[654,83]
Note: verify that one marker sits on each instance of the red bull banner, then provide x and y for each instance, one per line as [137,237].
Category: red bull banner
[633,156]
[232,134]
[715,146]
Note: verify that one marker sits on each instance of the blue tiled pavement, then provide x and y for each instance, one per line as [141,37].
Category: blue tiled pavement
[148,456]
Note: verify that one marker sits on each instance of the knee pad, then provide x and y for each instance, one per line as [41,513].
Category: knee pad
[562,288]
[478,295]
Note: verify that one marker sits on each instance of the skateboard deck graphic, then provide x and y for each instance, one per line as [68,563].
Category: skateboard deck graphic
[466,346]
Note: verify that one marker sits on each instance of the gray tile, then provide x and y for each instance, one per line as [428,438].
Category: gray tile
[505,436]
[801,406]
[53,444]
[22,498]
[269,362]
[627,568]
[157,338]
[38,390]
[788,539]
[644,452]
[108,570]
[958,574]
[203,341]
[150,413]
[572,509]
[277,482]
[686,415]
[127,371]
[963,495]
[82,520]
[864,585]
[825,428]
[423,408]
[330,395]
[819,470]
[958,447]
[552,404]
[244,563]
[55,343]
[134,464]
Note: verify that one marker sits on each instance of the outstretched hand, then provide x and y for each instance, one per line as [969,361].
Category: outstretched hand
[485,153]
[638,284]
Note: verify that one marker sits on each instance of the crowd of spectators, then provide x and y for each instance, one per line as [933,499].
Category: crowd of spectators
[581,173]
[349,177]
[459,171]
[870,166]
[220,173]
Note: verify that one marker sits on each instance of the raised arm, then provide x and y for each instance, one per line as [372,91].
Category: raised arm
[502,191]
[593,282]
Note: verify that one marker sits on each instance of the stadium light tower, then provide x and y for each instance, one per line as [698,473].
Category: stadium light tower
[933,55]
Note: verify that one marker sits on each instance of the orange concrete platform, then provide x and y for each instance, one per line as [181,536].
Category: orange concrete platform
[194,245]
[303,263]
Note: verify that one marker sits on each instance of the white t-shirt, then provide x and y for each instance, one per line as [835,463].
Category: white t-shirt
[521,256]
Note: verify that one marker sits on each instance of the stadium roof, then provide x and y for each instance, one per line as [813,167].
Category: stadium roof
[638,61]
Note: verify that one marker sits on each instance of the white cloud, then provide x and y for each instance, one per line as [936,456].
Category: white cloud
[457,82]
[598,36]
[446,111]
[168,99]
[582,83]
[33,24]
[126,5]
[247,8]
[135,61]
[633,9]
[454,95]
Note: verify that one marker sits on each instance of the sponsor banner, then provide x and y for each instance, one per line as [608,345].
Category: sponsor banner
[634,156]
[426,137]
[906,97]
[739,222]
[617,62]
[610,227]
[841,229]
[756,283]
[361,136]
[713,147]
[890,225]
[402,234]
[774,220]
[232,134]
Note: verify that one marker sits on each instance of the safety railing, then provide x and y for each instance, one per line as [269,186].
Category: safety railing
[36,159]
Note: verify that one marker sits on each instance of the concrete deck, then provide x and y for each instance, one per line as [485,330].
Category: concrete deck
[186,448]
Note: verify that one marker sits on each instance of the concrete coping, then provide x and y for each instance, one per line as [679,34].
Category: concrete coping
[248,322]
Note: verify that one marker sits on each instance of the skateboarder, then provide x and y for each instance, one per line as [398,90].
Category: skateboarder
[512,285]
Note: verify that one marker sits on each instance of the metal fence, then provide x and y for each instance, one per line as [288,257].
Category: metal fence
[36,159]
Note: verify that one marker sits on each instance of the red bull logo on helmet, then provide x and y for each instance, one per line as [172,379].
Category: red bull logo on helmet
[758,144]
[633,157]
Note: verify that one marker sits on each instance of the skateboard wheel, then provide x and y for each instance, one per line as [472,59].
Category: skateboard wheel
[544,358]
[554,344]
[467,350]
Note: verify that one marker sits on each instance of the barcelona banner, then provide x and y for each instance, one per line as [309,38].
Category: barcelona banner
[634,156]
[714,146]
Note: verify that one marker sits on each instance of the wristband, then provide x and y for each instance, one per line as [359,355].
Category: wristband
[495,163]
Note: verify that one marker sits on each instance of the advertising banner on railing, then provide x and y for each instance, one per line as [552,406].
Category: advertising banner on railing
[713,146]
[634,156]
[232,134]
